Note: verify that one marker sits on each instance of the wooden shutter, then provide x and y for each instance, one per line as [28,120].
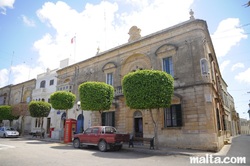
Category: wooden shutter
[113,119]
[179,115]
[103,118]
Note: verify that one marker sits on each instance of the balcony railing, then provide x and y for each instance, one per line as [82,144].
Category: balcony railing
[118,91]
[40,90]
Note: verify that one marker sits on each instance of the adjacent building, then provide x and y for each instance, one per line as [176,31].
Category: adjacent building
[245,126]
[45,86]
[19,96]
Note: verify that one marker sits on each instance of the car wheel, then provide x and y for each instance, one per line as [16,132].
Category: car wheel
[76,143]
[102,146]
[4,135]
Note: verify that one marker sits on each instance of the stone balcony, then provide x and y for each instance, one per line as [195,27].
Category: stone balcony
[118,91]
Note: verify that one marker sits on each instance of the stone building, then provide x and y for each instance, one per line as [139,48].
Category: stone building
[245,126]
[19,96]
[195,118]
[5,95]
[234,120]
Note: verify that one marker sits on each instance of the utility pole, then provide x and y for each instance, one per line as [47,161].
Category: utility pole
[249,110]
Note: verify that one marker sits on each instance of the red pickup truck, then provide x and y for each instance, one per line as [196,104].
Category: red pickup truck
[105,137]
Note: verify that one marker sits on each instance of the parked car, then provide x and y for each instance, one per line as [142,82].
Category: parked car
[8,132]
[105,137]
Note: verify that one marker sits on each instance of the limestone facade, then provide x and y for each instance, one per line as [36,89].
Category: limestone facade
[19,96]
[195,118]
[245,126]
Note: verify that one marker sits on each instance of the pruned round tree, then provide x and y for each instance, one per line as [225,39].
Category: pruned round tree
[39,109]
[62,100]
[96,96]
[148,89]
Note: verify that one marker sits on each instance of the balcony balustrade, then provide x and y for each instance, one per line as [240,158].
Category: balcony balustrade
[118,91]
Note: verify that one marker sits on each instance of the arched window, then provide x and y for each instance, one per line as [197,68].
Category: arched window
[204,66]
[42,84]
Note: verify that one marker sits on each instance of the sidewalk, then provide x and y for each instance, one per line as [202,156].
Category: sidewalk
[146,150]
[166,150]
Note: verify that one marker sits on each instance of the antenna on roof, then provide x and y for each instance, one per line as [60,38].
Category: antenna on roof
[11,63]
[105,27]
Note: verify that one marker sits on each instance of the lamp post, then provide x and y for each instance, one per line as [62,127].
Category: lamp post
[78,108]
[249,110]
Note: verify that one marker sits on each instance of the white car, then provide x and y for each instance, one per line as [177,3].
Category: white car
[8,132]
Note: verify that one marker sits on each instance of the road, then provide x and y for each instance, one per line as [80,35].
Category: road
[23,152]
[240,148]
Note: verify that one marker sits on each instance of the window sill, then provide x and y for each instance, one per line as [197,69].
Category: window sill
[172,128]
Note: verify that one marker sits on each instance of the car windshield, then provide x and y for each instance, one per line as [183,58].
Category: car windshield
[10,129]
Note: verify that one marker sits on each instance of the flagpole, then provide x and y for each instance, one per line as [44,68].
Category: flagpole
[11,63]
[75,48]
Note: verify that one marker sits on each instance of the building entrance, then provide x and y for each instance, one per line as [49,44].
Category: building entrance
[138,124]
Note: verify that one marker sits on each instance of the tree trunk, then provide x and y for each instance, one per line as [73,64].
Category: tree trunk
[22,125]
[42,130]
[155,123]
[100,111]
[66,111]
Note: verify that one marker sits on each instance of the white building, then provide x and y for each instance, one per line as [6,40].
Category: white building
[45,86]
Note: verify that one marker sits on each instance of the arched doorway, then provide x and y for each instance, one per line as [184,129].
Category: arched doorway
[138,124]
[80,124]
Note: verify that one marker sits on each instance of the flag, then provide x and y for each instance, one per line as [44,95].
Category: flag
[73,40]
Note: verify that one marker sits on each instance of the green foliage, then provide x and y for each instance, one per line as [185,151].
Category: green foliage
[148,89]
[96,96]
[39,109]
[5,112]
[62,100]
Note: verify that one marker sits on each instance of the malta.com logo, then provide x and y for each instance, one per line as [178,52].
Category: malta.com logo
[210,159]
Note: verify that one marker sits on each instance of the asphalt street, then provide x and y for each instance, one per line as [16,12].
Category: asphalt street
[30,152]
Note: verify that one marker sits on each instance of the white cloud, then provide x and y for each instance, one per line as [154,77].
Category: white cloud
[28,22]
[103,25]
[244,76]
[227,35]
[22,73]
[3,77]
[237,65]
[6,3]
[224,64]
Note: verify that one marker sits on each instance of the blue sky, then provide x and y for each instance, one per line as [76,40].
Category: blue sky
[35,35]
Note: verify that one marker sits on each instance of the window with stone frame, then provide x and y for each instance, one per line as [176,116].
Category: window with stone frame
[168,65]
[218,119]
[108,119]
[42,84]
[39,122]
[173,116]
[51,82]
[109,78]
[204,67]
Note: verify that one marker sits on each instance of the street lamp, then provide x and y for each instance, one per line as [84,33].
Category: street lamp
[249,109]
[82,117]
